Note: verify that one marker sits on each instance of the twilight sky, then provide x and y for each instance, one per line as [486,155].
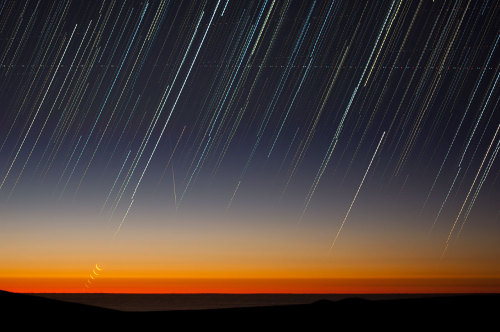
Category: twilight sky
[249,146]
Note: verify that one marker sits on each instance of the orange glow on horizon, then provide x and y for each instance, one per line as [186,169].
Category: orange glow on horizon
[249,286]
[230,260]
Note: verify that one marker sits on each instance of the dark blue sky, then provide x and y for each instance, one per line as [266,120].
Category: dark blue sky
[332,118]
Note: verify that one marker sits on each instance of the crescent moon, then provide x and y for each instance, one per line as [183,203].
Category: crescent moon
[98,268]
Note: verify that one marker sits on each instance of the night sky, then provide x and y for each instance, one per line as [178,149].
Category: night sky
[249,146]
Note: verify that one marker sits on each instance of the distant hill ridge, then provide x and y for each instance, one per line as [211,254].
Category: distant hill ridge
[401,314]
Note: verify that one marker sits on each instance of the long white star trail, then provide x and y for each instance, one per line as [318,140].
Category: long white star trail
[357,192]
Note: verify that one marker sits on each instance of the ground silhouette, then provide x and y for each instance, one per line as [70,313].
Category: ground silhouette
[443,311]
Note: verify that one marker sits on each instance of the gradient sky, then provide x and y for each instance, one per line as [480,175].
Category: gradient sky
[249,146]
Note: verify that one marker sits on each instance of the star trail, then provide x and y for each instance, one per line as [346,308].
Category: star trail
[244,139]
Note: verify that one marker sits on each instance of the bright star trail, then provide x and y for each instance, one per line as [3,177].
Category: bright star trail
[148,141]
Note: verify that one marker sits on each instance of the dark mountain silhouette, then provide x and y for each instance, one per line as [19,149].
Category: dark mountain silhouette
[475,311]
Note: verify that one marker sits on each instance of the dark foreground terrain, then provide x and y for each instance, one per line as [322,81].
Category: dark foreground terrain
[478,312]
